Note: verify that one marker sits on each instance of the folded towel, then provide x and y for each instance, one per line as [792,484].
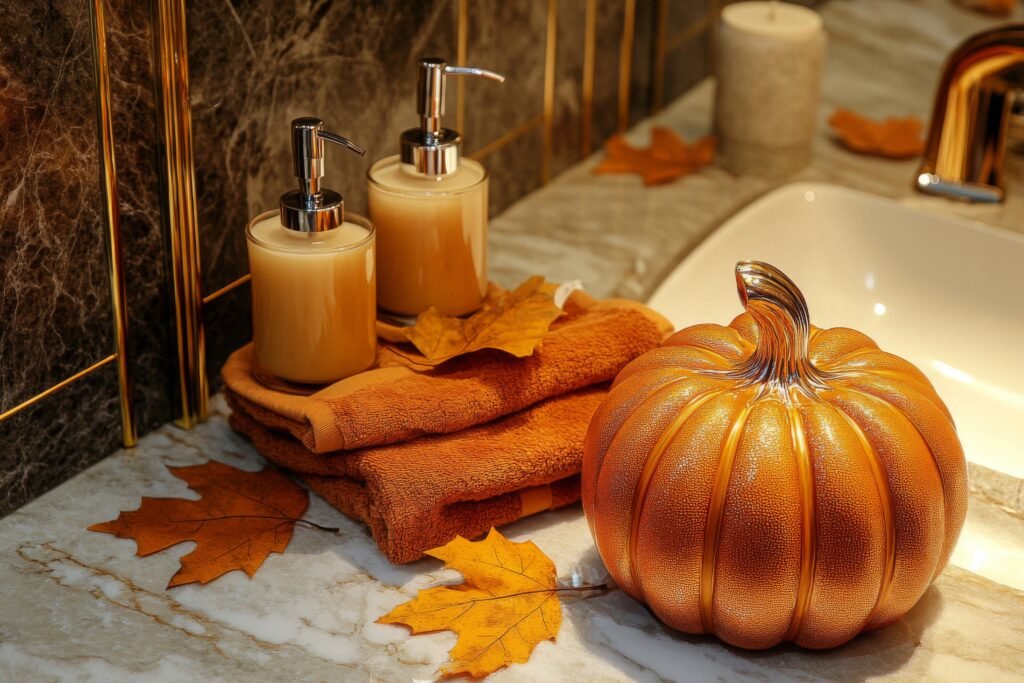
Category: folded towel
[419,495]
[588,345]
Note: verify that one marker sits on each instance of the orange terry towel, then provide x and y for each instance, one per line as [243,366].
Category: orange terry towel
[588,345]
[419,495]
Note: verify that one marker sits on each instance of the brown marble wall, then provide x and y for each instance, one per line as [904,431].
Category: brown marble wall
[253,67]
[55,307]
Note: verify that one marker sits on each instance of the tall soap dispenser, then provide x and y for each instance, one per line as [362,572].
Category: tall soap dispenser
[430,209]
[313,275]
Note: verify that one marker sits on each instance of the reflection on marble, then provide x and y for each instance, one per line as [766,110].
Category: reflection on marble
[309,613]
[54,294]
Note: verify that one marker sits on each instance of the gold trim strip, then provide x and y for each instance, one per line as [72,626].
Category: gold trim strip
[587,88]
[517,132]
[227,288]
[691,31]
[626,63]
[658,69]
[550,51]
[170,47]
[462,47]
[808,531]
[713,523]
[57,387]
[112,221]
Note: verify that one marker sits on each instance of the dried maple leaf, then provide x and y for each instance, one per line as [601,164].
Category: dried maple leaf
[667,158]
[507,605]
[514,322]
[239,520]
[895,138]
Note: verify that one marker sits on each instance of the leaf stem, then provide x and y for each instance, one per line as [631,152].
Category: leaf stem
[321,527]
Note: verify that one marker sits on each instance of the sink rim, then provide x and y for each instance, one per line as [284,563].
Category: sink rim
[927,205]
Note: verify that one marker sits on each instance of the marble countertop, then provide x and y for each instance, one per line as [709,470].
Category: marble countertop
[80,606]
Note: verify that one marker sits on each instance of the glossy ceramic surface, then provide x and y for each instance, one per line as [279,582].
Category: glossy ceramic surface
[940,291]
[772,481]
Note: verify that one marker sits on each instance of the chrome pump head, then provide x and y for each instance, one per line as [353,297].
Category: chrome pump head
[312,208]
[432,150]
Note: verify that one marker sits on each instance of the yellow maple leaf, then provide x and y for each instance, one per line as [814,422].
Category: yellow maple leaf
[507,605]
[514,322]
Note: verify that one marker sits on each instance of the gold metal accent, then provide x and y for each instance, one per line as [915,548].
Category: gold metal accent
[626,63]
[213,296]
[112,221]
[174,119]
[690,31]
[550,47]
[517,132]
[57,387]
[808,520]
[963,157]
[587,88]
[658,69]
[462,47]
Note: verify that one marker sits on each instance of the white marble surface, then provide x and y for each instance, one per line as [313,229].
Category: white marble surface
[78,606]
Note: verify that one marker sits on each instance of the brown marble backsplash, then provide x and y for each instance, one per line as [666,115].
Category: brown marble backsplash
[253,67]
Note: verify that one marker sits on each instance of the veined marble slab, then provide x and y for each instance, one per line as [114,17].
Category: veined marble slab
[78,606]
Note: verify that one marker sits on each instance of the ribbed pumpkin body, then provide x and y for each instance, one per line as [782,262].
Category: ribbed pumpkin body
[802,505]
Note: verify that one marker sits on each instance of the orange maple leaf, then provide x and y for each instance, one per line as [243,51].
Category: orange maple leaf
[895,138]
[239,520]
[508,604]
[511,321]
[667,158]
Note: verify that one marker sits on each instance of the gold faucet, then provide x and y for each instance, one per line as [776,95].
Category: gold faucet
[963,157]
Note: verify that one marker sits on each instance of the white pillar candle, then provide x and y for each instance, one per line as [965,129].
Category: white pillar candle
[769,58]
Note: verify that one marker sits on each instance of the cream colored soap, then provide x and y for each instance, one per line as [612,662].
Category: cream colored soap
[431,238]
[313,299]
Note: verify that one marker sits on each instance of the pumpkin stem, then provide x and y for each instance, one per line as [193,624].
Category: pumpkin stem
[780,311]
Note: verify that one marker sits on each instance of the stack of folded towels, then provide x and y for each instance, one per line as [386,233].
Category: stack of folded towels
[480,441]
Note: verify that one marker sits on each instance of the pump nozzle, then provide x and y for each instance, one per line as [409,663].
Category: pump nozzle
[433,150]
[310,208]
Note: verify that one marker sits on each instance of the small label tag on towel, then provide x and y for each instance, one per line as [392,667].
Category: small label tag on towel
[561,294]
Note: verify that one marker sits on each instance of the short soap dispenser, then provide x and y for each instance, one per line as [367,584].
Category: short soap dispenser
[314,300]
[430,209]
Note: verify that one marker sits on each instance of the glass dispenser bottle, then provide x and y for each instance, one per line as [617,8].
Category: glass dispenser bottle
[430,208]
[313,274]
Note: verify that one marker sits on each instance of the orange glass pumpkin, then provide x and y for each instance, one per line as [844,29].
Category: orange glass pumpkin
[771,481]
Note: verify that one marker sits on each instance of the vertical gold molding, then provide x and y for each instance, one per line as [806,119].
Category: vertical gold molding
[177,165]
[587,89]
[626,62]
[550,48]
[462,46]
[658,71]
[112,219]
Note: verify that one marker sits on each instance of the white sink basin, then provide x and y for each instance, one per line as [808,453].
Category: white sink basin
[945,293]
